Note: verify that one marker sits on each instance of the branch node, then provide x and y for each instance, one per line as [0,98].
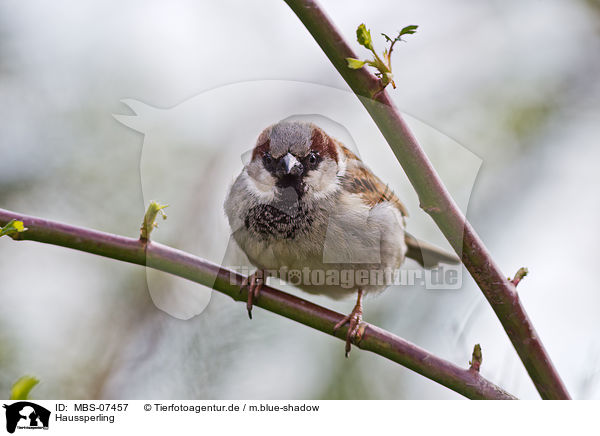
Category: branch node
[12,229]
[477,358]
[431,210]
[521,273]
[149,222]
[383,66]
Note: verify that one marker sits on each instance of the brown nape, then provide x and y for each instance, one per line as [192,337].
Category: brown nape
[259,150]
[323,144]
[349,154]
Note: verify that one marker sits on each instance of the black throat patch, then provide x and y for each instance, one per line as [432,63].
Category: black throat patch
[285,218]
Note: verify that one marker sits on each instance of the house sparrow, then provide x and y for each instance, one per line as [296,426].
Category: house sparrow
[306,203]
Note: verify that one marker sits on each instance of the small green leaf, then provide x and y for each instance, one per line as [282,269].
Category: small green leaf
[12,227]
[355,64]
[408,30]
[383,65]
[20,390]
[388,39]
[363,35]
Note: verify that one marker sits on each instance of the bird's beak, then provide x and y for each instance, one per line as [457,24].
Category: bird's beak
[291,165]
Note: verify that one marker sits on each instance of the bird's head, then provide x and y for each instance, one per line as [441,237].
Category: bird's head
[297,158]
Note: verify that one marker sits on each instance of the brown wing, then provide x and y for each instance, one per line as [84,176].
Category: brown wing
[360,180]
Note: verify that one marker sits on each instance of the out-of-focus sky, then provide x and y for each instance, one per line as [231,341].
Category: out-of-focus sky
[508,85]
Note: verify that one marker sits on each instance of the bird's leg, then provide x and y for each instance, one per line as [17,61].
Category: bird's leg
[355,319]
[254,282]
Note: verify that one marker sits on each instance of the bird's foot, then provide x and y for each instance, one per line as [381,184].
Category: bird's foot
[254,282]
[356,327]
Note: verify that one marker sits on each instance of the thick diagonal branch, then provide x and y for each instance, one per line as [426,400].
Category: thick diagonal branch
[437,202]
[176,262]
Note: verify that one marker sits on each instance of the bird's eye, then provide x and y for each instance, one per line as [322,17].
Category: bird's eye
[312,158]
[268,160]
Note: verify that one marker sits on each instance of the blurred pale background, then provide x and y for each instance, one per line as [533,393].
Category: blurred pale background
[510,85]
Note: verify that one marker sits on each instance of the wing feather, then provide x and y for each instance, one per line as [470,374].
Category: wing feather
[358,179]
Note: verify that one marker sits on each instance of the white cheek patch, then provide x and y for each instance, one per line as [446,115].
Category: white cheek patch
[324,181]
[260,183]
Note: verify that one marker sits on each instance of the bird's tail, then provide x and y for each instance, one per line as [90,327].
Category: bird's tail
[426,254]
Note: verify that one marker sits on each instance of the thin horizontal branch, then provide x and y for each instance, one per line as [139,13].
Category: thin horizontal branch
[182,264]
[437,202]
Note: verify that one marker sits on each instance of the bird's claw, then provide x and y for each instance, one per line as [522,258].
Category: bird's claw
[254,283]
[355,329]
